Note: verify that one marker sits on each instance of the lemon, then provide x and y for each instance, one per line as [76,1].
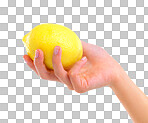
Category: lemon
[47,36]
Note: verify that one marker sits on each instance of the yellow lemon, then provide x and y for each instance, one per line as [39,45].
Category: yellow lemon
[47,36]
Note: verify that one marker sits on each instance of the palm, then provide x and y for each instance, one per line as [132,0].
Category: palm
[95,72]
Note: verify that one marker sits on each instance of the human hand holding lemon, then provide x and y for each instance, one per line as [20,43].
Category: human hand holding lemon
[61,50]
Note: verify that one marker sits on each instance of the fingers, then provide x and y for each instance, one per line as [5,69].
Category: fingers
[30,63]
[58,67]
[79,83]
[43,72]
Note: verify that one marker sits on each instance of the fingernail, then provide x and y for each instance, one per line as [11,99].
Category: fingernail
[84,58]
[56,50]
[36,54]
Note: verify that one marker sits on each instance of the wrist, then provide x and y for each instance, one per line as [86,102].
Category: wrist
[119,76]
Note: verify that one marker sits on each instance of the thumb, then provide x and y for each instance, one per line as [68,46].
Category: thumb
[78,65]
[78,83]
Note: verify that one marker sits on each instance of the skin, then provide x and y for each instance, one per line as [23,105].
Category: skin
[96,69]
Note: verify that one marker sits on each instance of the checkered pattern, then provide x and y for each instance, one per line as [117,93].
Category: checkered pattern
[119,26]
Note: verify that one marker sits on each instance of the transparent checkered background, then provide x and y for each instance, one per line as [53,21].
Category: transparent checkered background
[119,26]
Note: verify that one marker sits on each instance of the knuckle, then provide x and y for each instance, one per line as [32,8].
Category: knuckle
[84,83]
[82,87]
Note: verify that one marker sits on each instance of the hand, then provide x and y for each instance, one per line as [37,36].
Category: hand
[96,69]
